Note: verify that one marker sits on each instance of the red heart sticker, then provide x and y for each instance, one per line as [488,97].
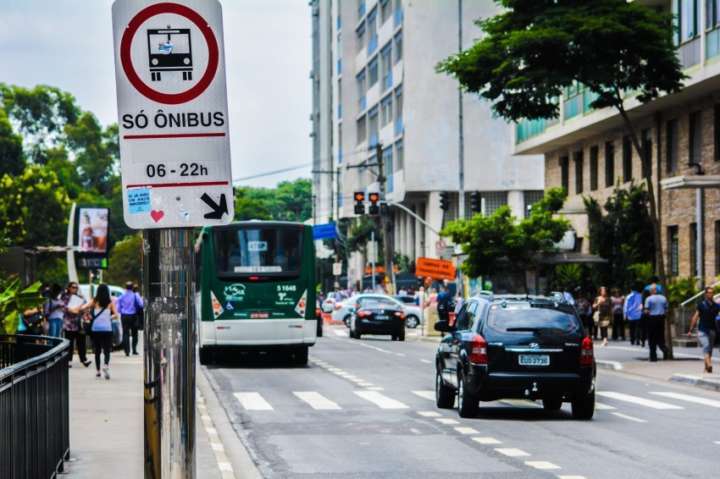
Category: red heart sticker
[157,215]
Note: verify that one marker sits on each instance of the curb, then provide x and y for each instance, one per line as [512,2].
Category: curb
[697,381]
[235,450]
[612,365]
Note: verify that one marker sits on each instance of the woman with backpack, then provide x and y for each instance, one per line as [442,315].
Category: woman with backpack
[102,311]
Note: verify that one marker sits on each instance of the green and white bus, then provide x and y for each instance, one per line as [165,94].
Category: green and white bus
[256,288]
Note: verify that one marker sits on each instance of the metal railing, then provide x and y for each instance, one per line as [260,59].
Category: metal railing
[34,406]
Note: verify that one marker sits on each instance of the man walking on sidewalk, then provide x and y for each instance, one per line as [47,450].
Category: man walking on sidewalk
[707,311]
[632,310]
[656,306]
[128,306]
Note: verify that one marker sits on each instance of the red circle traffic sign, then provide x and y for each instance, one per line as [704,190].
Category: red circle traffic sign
[134,78]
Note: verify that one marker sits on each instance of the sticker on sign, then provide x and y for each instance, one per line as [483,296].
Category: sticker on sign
[173,115]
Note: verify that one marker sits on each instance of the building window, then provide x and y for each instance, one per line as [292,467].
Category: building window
[386,113]
[564,173]
[360,34]
[398,47]
[361,89]
[339,96]
[693,249]
[361,130]
[389,168]
[673,250]
[493,200]
[594,153]
[340,145]
[627,159]
[671,147]
[372,31]
[647,153]
[695,139]
[399,125]
[372,72]
[398,12]
[400,155]
[361,9]
[385,10]
[688,17]
[386,66]
[530,198]
[373,126]
[609,164]
[717,132]
[578,160]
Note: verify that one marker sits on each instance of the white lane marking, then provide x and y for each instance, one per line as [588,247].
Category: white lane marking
[629,418]
[374,347]
[511,452]
[637,400]
[717,442]
[542,465]
[253,402]
[375,388]
[571,477]
[486,440]
[316,400]
[429,413]
[215,443]
[216,446]
[340,332]
[466,430]
[521,403]
[688,398]
[425,394]
[447,421]
[603,407]
[381,400]
[402,355]
[426,361]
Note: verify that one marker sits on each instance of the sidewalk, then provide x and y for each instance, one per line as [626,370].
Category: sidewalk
[106,424]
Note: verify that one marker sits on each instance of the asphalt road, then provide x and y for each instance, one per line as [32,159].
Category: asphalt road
[365,409]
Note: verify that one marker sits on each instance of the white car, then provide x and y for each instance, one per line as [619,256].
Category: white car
[115,291]
[343,309]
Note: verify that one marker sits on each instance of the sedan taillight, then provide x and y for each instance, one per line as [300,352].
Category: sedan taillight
[478,350]
[363,314]
[586,352]
[400,314]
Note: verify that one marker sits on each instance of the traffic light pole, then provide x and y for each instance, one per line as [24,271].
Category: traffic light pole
[385,230]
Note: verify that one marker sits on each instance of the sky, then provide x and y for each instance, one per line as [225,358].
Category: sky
[68,44]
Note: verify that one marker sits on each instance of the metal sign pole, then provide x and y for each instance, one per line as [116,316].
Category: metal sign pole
[169,353]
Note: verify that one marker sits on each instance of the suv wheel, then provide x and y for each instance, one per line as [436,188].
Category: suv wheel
[552,404]
[583,407]
[412,321]
[467,403]
[444,395]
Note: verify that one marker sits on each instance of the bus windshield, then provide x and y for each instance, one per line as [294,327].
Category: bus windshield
[250,251]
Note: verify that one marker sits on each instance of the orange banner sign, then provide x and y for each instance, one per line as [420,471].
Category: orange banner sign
[435,268]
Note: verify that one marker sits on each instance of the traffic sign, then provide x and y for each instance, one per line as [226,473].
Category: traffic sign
[173,115]
[324,231]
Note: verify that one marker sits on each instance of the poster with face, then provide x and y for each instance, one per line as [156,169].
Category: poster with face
[93,230]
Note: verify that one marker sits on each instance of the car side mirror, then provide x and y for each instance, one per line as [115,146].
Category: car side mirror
[443,326]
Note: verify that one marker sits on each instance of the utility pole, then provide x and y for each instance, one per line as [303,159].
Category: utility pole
[385,229]
[461,133]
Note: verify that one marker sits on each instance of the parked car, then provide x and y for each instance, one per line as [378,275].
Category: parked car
[328,305]
[413,312]
[515,347]
[115,291]
[342,309]
[378,315]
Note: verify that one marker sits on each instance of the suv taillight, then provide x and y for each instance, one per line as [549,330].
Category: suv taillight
[586,352]
[478,350]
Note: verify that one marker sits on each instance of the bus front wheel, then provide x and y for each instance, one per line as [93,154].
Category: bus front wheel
[205,356]
[300,356]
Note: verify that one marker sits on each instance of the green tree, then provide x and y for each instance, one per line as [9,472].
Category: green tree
[125,261]
[96,151]
[534,49]
[12,160]
[33,208]
[289,201]
[501,239]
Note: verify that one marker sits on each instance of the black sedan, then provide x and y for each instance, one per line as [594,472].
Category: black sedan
[511,347]
[374,315]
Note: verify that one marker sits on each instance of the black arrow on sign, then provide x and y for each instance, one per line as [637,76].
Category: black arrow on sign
[218,209]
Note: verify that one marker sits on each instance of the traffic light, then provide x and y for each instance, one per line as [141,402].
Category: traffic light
[359,202]
[374,209]
[444,204]
[475,203]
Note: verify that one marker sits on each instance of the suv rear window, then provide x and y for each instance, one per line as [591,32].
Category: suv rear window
[528,318]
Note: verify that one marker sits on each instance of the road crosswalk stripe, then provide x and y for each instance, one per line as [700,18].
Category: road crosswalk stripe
[381,400]
[638,400]
[511,452]
[688,398]
[429,413]
[447,421]
[629,418]
[603,407]
[466,430]
[316,400]
[253,401]
[425,394]
[486,440]
[542,465]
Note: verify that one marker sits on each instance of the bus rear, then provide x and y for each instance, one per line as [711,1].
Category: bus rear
[256,283]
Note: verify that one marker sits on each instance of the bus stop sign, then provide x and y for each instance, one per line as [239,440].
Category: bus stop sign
[173,115]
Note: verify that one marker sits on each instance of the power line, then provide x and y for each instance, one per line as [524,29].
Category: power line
[274,172]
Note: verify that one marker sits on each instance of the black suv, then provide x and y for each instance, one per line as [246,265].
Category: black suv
[515,347]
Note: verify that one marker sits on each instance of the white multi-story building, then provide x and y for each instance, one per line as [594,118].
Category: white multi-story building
[375,82]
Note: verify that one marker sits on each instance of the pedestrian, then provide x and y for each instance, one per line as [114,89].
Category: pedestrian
[656,306]
[632,313]
[603,309]
[128,306]
[654,282]
[102,311]
[704,317]
[585,311]
[618,324]
[54,310]
[72,322]
[444,303]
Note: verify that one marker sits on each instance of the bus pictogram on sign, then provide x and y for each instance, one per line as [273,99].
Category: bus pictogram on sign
[170,50]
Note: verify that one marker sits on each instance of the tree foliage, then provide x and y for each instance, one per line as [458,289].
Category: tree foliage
[500,237]
[289,201]
[125,261]
[12,159]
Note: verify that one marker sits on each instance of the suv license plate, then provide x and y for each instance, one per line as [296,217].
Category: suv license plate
[534,360]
